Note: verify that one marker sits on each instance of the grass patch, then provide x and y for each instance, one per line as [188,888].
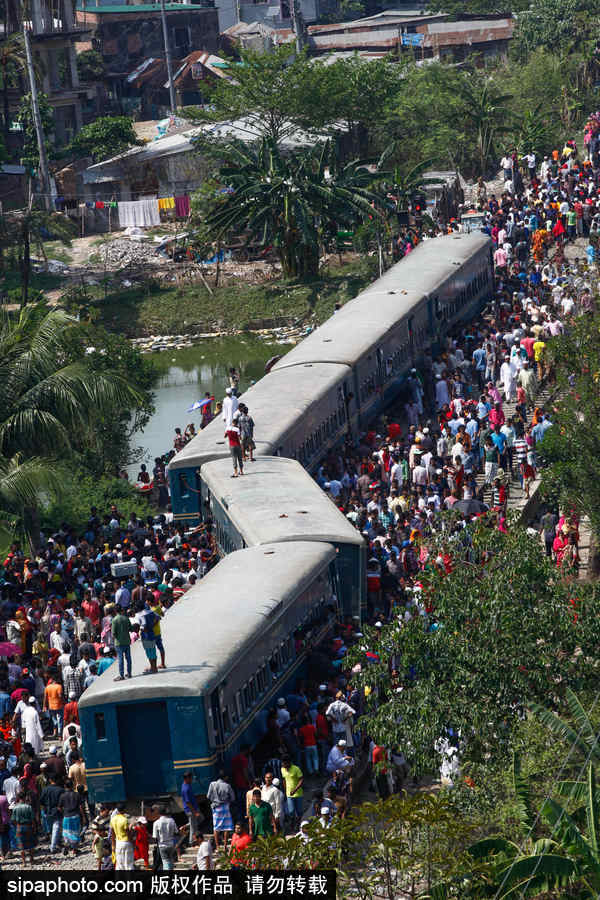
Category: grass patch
[151,309]
[10,283]
[57,250]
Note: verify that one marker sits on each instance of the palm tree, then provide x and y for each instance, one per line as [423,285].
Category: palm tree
[12,60]
[289,200]
[486,113]
[49,392]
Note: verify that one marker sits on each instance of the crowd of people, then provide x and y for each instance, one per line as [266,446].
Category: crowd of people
[66,618]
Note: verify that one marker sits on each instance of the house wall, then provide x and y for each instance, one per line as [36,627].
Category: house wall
[126,39]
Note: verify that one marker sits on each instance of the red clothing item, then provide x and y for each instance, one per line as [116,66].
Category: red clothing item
[71,714]
[322,727]
[140,848]
[233,436]
[309,735]
[239,842]
[239,772]
[394,431]
[528,343]
[378,756]
[91,609]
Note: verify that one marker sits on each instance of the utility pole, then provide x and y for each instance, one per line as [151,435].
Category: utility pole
[39,130]
[297,24]
[168,58]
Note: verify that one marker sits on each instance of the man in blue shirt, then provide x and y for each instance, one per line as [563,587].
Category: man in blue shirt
[479,359]
[539,430]
[190,807]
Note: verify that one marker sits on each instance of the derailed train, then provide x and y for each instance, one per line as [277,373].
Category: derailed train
[290,564]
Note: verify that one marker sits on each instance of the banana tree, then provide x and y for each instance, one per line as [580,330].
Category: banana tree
[582,737]
[567,860]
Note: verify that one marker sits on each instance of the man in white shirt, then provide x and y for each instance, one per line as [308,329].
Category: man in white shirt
[164,832]
[340,714]
[204,856]
[271,794]
[441,393]
[230,405]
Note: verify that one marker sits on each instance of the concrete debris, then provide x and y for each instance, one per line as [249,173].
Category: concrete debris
[120,254]
[287,334]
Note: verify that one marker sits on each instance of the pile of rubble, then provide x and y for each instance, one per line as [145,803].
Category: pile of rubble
[286,334]
[122,253]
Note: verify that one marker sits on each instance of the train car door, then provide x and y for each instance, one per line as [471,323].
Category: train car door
[146,775]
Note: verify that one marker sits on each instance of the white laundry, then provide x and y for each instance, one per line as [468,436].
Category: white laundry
[143,213]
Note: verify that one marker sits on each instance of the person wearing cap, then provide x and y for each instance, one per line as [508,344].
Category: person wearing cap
[283,715]
[106,660]
[31,725]
[230,406]
[338,758]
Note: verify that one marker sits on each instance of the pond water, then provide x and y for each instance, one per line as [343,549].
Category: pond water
[185,376]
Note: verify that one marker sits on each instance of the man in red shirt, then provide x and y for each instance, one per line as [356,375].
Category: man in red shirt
[239,842]
[379,757]
[235,448]
[308,736]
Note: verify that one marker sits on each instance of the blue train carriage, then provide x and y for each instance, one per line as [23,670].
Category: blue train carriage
[387,328]
[299,413]
[230,650]
[275,501]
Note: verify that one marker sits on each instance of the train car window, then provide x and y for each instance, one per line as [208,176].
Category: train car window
[100,726]
[240,708]
[246,696]
[226,720]
[184,488]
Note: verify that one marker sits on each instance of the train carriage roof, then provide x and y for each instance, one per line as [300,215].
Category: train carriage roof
[362,323]
[276,402]
[277,500]
[216,621]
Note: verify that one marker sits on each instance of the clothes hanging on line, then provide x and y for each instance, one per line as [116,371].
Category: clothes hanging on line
[166,203]
[182,206]
[142,213]
[99,204]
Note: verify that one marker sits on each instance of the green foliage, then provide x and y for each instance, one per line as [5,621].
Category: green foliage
[104,137]
[52,394]
[269,90]
[570,447]
[556,25]
[30,156]
[500,643]
[79,491]
[293,202]
[399,847]
[90,65]
[456,9]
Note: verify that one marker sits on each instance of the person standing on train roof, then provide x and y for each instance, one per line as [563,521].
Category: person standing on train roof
[190,807]
[230,405]
[120,629]
[232,434]
[147,619]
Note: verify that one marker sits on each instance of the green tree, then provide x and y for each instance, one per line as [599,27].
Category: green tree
[30,157]
[581,736]
[290,201]
[104,137]
[12,62]
[486,115]
[31,227]
[499,643]
[559,26]
[400,847]
[266,90]
[425,119]
[90,65]
[49,394]
[569,448]
[568,860]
